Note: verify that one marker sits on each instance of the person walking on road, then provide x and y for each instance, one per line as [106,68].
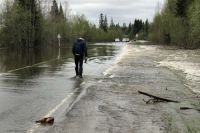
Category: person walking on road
[80,53]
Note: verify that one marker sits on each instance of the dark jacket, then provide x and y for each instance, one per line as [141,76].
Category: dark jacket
[80,47]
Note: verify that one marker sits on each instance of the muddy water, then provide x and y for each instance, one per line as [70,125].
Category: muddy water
[114,105]
[183,62]
[186,62]
[36,83]
[39,83]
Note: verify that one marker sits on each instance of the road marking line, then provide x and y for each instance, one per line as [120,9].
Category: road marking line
[14,70]
[83,83]
[35,126]
[30,66]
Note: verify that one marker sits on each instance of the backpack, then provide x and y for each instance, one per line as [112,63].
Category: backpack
[79,48]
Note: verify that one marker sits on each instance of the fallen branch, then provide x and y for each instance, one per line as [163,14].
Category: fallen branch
[46,121]
[156,98]
[188,108]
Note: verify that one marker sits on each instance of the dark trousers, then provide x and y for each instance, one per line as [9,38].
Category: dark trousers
[79,65]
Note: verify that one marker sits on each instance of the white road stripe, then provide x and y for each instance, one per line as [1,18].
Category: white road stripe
[35,126]
[30,66]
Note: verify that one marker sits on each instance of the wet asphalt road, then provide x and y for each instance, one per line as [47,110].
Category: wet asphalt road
[111,103]
[36,83]
[107,99]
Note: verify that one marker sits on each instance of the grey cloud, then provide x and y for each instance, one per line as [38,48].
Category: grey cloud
[120,10]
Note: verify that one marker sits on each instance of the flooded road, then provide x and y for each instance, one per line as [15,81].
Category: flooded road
[34,84]
[38,83]
[187,62]
[112,104]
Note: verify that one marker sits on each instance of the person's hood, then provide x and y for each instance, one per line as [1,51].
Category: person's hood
[81,39]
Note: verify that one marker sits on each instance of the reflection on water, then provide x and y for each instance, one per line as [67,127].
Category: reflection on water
[12,60]
[21,66]
[35,81]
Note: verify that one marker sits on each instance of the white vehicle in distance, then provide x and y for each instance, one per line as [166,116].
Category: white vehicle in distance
[117,40]
[125,40]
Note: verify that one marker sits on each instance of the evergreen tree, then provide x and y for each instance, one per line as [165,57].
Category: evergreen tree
[23,25]
[54,10]
[112,24]
[117,26]
[61,13]
[105,24]
[129,28]
[137,26]
[101,21]
[25,21]
[34,29]
[173,25]
[146,25]
[124,28]
[22,3]
[181,8]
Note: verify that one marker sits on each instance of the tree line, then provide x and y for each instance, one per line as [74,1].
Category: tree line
[25,23]
[139,27]
[177,24]
[21,24]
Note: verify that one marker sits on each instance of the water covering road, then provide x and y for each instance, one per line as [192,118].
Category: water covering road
[112,103]
[36,83]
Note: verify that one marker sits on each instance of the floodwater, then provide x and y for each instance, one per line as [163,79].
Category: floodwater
[36,83]
[187,62]
[112,103]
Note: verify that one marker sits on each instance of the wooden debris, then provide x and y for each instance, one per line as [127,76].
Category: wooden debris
[156,98]
[188,108]
[185,108]
[46,121]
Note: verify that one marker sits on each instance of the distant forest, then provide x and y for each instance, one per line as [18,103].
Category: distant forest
[25,23]
[177,24]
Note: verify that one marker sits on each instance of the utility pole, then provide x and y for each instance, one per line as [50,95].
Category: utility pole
[59,37]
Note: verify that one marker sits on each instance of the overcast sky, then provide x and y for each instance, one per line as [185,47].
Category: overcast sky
[120,10]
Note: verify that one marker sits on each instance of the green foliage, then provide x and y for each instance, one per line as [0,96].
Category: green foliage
[112,24]
[24,25]
[194,23]
[61,13]
[182,7]
[124,27]
[177,24]
[56,24]
[54,10]
[168,32]
[103,22]
[21,24]
[139,27]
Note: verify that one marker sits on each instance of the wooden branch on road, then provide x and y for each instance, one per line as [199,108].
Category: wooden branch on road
[156,98]
[189,108]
